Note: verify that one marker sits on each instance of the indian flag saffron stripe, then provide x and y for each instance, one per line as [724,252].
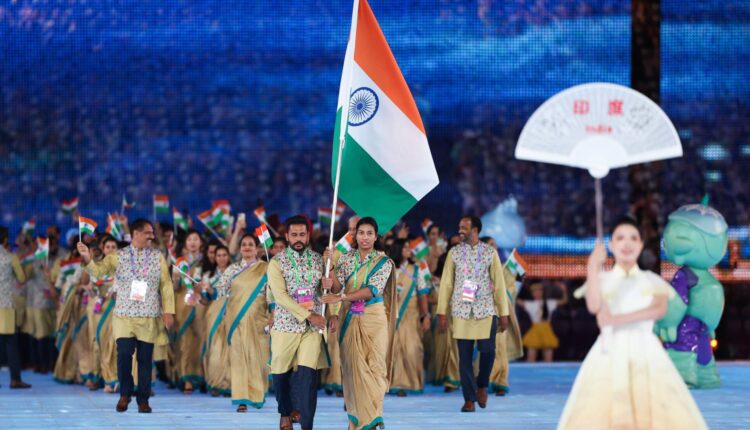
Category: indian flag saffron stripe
[344,244]
[419,248]
[161,203]
[260,213]
[386,166]
[86,225]
[264,236]
[68,206]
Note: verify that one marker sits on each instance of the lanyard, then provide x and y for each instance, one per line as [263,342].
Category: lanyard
[145,266]
[296,269]
[357,265]
[477,265]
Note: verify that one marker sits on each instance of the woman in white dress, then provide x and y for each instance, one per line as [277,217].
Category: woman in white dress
[627,381]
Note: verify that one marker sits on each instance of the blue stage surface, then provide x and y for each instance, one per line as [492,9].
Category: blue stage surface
[536,401]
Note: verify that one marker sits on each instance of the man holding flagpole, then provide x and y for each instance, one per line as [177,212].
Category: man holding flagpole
[294,277]
[144,298]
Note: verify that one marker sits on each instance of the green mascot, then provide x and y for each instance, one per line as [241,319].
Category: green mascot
[695,239]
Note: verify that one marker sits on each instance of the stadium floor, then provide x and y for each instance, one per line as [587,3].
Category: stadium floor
[538,393]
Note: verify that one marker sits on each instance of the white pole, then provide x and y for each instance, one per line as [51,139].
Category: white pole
[599,200]
[210,229]
[342,131]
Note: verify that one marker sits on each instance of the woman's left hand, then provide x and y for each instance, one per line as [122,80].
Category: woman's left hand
[330,298]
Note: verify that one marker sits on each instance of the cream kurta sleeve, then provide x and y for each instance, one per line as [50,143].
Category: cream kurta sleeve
[278,288]
[106,267]
[165,287]
[15,262]
[497,277]
[446,285]
[54,271]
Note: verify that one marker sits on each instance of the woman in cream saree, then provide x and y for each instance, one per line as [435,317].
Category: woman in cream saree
[367,314]
[244,286]
[215,351]
[411,322]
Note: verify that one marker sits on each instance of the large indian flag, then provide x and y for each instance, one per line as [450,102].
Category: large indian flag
[386,165]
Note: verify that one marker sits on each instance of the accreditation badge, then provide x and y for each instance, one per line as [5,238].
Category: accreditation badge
[469,293]
[138,291]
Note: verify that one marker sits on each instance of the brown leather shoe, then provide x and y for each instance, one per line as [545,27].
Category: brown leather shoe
[295,416]
[339,393]
[500,392]
[19,384]
[468,407]
[448,389]
[401,394]
[122,404]
[482,397]
[144,408]
[285,423]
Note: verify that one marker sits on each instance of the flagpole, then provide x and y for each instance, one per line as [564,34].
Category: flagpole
[263,220]
[342,137]
[79,229]
[153,205]
[210,229]
[599,199]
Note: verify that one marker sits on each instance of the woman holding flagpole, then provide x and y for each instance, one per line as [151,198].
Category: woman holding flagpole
[243,285]
[413,319]
[368,313]
[190,316]
[215,351]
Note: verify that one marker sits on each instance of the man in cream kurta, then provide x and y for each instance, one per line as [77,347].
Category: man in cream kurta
[294,277]
[473,285]
[144,294]
[10,273]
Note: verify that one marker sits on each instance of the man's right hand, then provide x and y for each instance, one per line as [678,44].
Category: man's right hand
[442,323]
[83,250]
[318,321]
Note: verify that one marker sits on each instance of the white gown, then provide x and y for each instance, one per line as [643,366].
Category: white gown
[627,380]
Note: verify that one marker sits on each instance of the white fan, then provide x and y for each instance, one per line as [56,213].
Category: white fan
[598,127]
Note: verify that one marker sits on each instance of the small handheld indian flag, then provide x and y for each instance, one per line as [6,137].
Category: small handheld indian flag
[324,216]
[260,213]
[29,227]
[114,227]
[42,248]
[179,220]
[68,267]
[86,225]
[69,206]
[344,244]
[264,236]
[424,271]
[183,266]
[426,224]
[517,265]
[223,204]
[419,248]
[161,204]
[27,258]
[212,217]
